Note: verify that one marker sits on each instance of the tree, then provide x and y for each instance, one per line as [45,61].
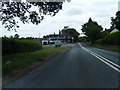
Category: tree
[71,32]
[11,36]
[16,36]
[103,34]
[116,21]
[22,10]
[46,36]
[30,38]
[92,30]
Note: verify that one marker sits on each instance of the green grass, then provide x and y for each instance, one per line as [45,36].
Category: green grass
[21,60]
[108,47]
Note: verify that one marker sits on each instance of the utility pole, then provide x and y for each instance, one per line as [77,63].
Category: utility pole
[39,37]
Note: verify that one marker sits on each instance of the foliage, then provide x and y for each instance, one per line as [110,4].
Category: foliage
[12,45]
[23,11]
[113,38]
[116,21]
[92,30]
[30,38]
[83,39]
[16,36]
[100,41]
[71,32]
[46,36]
[103,34]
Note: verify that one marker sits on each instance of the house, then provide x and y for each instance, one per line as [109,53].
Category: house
[51,38]
[66,35]
[54,37]
[111,30]
[114,30]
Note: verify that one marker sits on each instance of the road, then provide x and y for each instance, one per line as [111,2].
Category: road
[79,67]
[53,45]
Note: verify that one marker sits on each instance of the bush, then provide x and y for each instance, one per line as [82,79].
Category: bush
[103,34]
[100,41]
[113,38]
[10,46]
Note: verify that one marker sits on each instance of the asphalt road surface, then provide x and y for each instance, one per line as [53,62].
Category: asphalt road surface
[79,67]
[53,45]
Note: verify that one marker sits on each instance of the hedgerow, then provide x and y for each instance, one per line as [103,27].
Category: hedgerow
[10,46]
[100,41]
[111,38]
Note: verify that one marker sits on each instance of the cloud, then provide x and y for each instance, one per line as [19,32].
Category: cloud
[75,10]
[73,14]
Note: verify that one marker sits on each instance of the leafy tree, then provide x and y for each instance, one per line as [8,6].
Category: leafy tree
[11,36]
[16,36]
[92,30]
[22,10]
[4,36]
[46,36]
[103,34]
[30,38]
[71,32]
[116,21]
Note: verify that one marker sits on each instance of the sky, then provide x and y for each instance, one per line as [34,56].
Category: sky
[73,14]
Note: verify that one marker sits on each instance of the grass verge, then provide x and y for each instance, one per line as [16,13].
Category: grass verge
[16,62]
[108,47]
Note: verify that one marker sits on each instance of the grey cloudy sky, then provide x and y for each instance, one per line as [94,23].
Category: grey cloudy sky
[73,14]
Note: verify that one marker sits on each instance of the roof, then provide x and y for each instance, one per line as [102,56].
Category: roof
[114,30]
[55,35]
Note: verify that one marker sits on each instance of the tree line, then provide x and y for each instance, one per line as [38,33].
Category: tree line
[17,36]
[23,11]
[96,34]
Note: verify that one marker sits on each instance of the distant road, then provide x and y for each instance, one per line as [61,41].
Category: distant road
[68,44]
[79,67]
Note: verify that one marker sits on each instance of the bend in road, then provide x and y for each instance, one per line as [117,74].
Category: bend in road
[74,68]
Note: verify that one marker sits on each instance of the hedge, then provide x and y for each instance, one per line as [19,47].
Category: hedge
[112,38]
[100,41]
[10,46]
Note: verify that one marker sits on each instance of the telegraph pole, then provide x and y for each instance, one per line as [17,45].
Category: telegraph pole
[39,37]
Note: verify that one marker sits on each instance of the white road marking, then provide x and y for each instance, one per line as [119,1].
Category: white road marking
[104,60]
[107,63]
[84,48]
